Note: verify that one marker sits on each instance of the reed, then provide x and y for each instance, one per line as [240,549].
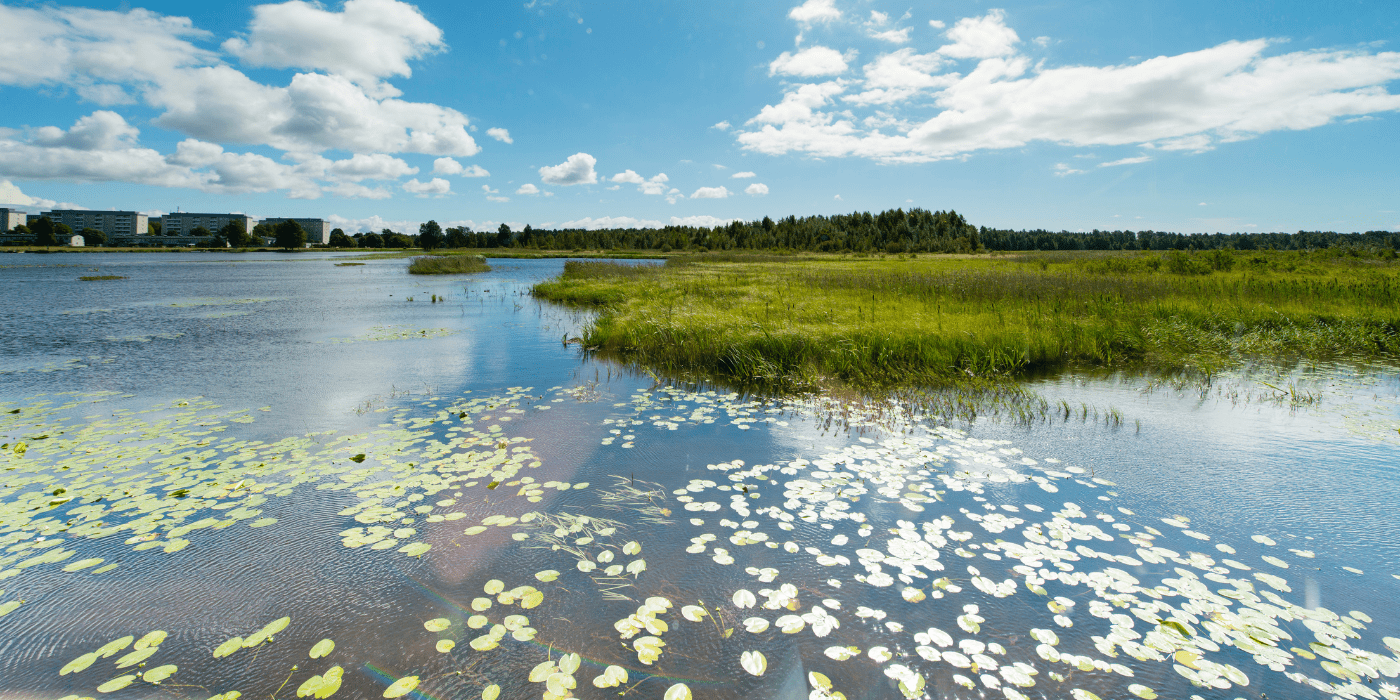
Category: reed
[448,265]
[806,322]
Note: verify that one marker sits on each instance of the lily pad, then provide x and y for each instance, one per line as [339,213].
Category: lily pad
[445,645]
[437,624]
[322,648]
[159,673]
[401,687]
[228,647]
[116,684]
[79,664]
[547,575]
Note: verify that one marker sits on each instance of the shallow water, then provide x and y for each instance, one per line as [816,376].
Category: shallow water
[231,429]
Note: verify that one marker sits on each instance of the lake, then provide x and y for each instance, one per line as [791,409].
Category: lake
[273,475]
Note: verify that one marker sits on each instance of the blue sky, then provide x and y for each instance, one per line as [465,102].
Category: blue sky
[1074,114]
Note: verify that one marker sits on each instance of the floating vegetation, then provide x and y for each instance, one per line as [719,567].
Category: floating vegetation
[380,333]
[906,556]
[349,264]
[142,338]
[61,365]
[99,278]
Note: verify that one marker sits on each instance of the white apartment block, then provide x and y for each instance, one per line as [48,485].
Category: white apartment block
[10,218]
[180,223]
[318,231]
[113,223]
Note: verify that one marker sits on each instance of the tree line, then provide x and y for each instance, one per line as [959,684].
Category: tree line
[892,231]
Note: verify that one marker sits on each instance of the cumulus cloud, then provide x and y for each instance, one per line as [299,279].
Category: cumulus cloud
[745,174]
[435,186]
[576,170]
[809,62]
[893,36]
[1193,101]
[364,42]
[610,222]
[377,166]
[527,188]
[11,194]
[981,37]
[449,166]
[628,176]
[493,195]
[1063,169]
[814,11]
[756,189]
[711,193]
[722,126]
[653,185]
[500,134]
[120,57]
[101,130]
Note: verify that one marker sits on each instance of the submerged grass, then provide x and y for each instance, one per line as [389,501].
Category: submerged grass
[878,323]
[448,265]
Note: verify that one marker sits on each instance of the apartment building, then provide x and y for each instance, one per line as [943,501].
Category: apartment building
[10,218]
[318,231]
[180,223]
[113,223]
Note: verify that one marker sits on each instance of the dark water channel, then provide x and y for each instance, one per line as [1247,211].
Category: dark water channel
[452,494]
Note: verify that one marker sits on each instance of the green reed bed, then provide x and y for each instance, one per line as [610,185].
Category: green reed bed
[885,322]
[448,265]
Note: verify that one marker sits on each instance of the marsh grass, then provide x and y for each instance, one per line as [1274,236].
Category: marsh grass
[803,322]
[99,278]
[448,265]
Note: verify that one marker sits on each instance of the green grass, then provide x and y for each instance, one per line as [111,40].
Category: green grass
[805,322]
[448,265]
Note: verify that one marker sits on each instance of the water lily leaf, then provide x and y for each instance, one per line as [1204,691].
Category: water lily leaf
[159,673]
[531,599]
[476,530]
[491,692]
[437,624]
[330,682]
[116,683]
[228,647]
[569,663]
[311,686]
[262,522]
[755,625]
[322,648]
[10,606]
[753,662]
[111,648]
[678,691]
[276,626]
[547,575]
[631,548]
[401,687]
[1142,691]
[743,598]
[80,565]
[694,613]
[152,639]
[637,566]
[445,645]
[416,549]
[136,657]
[494,586]
[79,664]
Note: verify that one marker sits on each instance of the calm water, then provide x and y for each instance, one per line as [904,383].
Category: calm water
[252,437]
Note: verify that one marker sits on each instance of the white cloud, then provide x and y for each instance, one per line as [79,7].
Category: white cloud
[610,222]
[814,11]
[674,195]
[1126,161]
[493,195]
[435,186]
[101,130]
[756,189]
[813,61]
[528,188]
[1063,169]
[701,221]
[1192,101]
[936,24]
[116,57]
[722,126]
[628,176]
[711,193]
[893,36]
[745,174]
[11,194]
[576,170]
[449,166]
[500,134]
[352,190]
[366,41]
[358,167]
[837,197]
[981,37]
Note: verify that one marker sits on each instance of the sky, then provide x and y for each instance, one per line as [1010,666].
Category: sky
[1168,115]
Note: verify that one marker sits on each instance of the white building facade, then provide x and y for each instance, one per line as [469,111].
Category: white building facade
[116,224]
[10,218]
[181,223]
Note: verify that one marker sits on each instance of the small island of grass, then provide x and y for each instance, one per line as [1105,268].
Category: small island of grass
[98,278]
[448,265]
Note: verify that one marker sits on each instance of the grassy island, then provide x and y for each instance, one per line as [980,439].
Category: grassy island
[792,322]
[448,265]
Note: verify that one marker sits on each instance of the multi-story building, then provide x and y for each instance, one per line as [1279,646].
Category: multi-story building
[318,231]
[180,223]
[116,224]
[10,218]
